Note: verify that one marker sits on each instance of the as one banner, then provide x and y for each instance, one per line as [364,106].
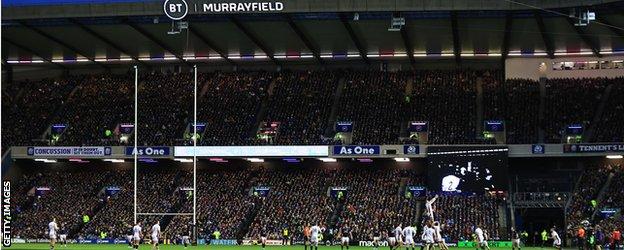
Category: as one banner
[357,150]
[69,151]
[149,151]
[593,148]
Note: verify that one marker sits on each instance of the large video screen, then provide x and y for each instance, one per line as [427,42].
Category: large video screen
[458,169]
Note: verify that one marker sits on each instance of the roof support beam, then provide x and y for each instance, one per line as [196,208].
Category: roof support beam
[456,40]
[407,42]
[24,48]
[548,43]
[308,43]
[507,35]
[586,39]
[104,39]
[254,39]
[154,39]
[64,44]
[210,44]
[611,26]
[354,38]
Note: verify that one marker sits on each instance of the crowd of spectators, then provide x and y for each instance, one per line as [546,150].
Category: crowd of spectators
[116,215]
[461,214]
[374,198]
[580,207]
[71,195]
[380,104]
[372,100]
[377,199]
[97,104]
[447,100]
[166,105]
[230,106]
[28,107]
[609,128]
[223,203]
[296,198]
[301,102]
[516,102]
[570,101]
[614,197]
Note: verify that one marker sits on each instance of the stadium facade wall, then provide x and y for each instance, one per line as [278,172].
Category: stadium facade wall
[535,68]
[68,8]
[34,72]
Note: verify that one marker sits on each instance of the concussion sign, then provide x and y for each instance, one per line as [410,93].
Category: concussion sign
[68,151]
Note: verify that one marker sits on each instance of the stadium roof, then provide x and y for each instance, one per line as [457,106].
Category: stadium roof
[320,36]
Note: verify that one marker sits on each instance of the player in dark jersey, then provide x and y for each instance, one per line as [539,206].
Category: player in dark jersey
[345,236]
[392,239]
[263,237]
[376,238]
[186,237]
[63,235]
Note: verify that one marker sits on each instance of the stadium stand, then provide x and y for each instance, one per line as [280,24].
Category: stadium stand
[348,113]
[580,207]
[447,100]
[29,107]
[302,102]
[376,199]
[231,105]
[609,128]
[570,101]
[501,100]
[459,213]
[372,101]
[98,103]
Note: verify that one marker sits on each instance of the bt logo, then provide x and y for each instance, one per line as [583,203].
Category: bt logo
[175,9]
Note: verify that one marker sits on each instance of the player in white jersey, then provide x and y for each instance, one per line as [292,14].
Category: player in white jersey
[480,237]
[408,233]
[315,232]
[52,228]
[429,206]
[439,240]
[556,239]
[155,235]
[515,239]
[137,234]
[398,233]
[428,236]
[487,237]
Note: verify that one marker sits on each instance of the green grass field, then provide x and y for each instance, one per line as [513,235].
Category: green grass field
[174,247]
